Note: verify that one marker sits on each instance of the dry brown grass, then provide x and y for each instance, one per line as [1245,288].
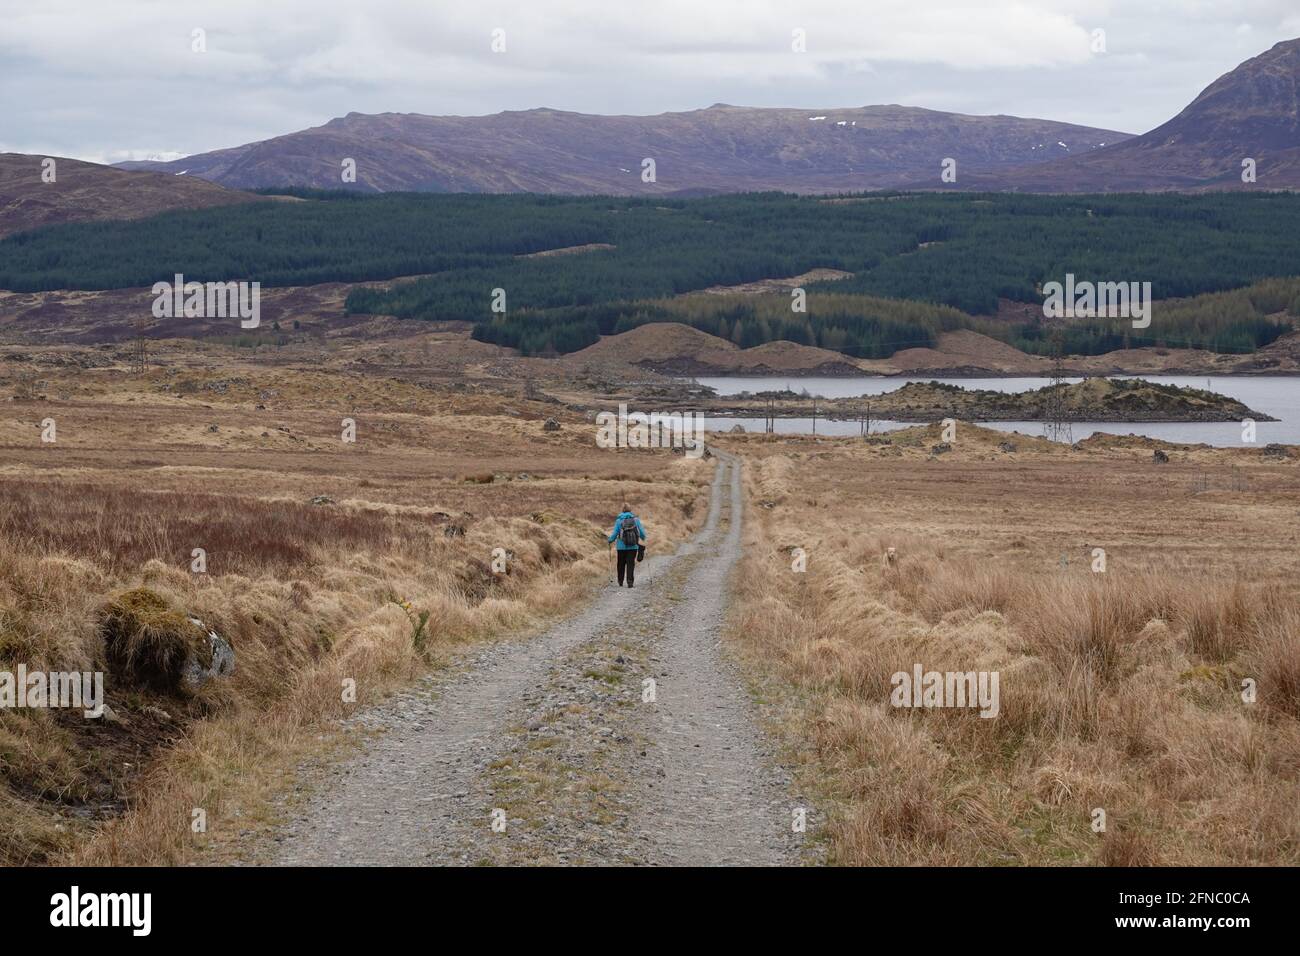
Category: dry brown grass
[1119,691]
[309,595]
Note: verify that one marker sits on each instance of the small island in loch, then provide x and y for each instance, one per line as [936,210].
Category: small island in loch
[1092,400]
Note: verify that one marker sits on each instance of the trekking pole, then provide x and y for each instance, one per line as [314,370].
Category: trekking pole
[612,573]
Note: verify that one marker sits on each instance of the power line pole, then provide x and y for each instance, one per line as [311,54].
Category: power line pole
[140,351]
[1056,423]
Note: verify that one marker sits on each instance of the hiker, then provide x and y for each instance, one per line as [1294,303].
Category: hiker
[627,537]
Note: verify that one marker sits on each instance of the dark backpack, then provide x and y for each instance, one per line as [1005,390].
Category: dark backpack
[627,531]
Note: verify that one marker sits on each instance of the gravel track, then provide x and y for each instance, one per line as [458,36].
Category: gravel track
[556,735]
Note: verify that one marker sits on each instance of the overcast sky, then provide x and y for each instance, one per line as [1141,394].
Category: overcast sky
[108,80]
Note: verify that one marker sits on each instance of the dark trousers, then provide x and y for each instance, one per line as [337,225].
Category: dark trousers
[626,566]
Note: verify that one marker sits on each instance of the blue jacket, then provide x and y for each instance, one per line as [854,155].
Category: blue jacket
[618,529]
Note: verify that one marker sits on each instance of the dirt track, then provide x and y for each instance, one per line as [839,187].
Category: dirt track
[556,738]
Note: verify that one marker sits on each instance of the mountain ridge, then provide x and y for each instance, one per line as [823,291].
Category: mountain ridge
[720,148]
[1250,112]
[84,192]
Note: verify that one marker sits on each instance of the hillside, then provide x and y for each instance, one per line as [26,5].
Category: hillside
[719,149]
[675,349]
[313,313]
[1252,111]
[86,192]
[918,266]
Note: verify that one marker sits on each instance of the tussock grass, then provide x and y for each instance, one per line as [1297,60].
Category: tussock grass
[125,527]
[148,641]
[1119,690]
[311,596]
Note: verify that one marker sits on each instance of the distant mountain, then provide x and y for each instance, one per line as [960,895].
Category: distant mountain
[87,191]
[718,149]
[1252,112]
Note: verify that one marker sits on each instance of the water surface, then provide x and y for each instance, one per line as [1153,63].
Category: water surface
[1275,395]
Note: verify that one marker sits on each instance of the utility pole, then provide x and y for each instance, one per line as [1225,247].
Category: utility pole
[1056,425]
[140,350]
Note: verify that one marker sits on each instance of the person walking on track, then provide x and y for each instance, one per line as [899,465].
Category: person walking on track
[627,536]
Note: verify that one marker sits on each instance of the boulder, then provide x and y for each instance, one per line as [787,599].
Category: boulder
[1159,457]
[550,425]
[220,660]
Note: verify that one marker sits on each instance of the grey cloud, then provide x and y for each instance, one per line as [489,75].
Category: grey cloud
[116,78]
